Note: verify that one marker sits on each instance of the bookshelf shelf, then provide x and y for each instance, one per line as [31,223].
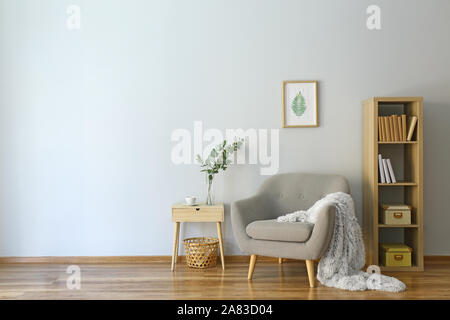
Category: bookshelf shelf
[412,268]
[398,225]
[412,184]
[397,142]
[407,160]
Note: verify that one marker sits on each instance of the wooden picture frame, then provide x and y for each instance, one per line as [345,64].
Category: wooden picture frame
[300,104]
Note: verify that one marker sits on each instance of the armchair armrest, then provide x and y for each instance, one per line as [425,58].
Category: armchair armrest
[322,232]
[246,211]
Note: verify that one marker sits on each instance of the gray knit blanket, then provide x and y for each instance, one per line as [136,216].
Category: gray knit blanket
[340,267]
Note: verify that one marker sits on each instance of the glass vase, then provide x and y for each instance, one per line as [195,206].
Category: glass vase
[209,190]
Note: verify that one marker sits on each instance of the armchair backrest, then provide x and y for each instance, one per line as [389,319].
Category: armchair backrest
[289,192]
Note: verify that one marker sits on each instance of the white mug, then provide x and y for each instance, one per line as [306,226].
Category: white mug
[190,200]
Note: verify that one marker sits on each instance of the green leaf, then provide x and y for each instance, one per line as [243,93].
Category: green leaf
[299,105]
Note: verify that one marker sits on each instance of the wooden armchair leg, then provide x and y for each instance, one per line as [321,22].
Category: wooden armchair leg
[251,266]
[311,275]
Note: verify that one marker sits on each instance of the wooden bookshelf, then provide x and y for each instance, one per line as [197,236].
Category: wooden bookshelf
[408,190]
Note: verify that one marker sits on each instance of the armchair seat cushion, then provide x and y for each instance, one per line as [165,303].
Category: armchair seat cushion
[279,231]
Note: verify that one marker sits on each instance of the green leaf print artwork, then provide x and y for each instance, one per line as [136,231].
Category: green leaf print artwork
[299,105]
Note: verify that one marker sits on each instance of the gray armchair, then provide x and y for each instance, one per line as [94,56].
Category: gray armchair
[258,233]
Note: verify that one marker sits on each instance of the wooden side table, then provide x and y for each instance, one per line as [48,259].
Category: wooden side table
[197,213]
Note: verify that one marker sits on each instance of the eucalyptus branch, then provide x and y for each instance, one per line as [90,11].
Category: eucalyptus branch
[219,158]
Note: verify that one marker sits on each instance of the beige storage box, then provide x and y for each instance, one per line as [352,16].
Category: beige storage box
[395,255]
[395,214]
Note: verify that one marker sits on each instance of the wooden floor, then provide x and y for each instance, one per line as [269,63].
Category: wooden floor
[156,281]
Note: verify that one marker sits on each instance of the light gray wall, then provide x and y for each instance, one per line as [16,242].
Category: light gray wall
[86,116]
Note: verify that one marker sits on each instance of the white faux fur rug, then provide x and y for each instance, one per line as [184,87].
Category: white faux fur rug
[340,266]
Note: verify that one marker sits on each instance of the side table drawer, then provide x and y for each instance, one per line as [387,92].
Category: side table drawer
[197,214]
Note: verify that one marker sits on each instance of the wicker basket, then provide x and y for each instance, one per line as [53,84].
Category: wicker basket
[201,252]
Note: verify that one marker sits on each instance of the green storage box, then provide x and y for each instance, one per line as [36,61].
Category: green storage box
[395,255]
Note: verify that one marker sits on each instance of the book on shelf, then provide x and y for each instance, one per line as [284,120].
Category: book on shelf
[387,174]
[386,126]
[386,171]
[395,126]
[382,130]
[391,171]
[403,126]
[412,126]
[391,128]
[381,169]
[399,128]
[380,135]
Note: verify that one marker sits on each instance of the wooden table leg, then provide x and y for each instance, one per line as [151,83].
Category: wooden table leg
[219,234]
[176,235]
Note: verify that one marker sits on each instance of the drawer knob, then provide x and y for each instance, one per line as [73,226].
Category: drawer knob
[198,209]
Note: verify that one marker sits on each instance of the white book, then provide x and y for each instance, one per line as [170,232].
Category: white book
[391,170]
[386,171]
[381,169]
